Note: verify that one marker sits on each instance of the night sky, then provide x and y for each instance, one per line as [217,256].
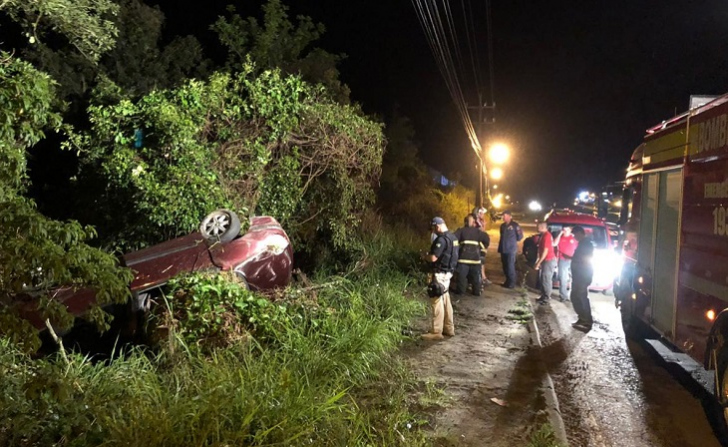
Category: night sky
[577,83]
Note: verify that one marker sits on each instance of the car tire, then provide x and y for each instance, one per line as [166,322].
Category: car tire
[220,225]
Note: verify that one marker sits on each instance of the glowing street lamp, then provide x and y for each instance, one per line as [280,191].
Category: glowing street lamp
[496,173]
[499,153]
[497,201]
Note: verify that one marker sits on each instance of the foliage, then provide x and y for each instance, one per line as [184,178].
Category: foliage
[38,254]
[330,378]
[26,97]
[212,310]
[267,143]
[544,437]
[86,24]
[408,195]
[278,43]
[138,63]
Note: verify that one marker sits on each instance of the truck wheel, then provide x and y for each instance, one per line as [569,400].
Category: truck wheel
[630,324]
[721,394]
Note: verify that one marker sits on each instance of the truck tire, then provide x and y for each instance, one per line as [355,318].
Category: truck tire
[720,405]
[631,325]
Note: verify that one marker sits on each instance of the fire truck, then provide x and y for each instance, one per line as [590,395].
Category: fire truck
[674,226]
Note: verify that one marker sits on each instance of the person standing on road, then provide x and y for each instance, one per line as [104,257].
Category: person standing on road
[472,243]
[582,273]
[566,245]
[510,234]
[443,256]
[546,262]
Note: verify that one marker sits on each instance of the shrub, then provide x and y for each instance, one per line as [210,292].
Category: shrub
[324,374]
[256,143]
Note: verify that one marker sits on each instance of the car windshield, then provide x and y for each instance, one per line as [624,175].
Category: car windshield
[598,235]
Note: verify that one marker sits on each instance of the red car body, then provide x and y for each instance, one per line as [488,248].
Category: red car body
[262,257]
[597,231]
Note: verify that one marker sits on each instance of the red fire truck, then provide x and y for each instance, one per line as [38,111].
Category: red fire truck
[675,240]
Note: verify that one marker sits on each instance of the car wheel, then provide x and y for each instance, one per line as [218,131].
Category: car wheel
[220,225]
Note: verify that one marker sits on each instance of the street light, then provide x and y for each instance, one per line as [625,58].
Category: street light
[496,173]
[499,153]
[497,201]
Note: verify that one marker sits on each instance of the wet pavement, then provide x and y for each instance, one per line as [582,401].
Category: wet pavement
[611,391]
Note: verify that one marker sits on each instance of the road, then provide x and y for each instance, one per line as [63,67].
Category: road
[611,391]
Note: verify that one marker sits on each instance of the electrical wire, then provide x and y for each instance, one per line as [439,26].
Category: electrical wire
[491,63]
[441,37]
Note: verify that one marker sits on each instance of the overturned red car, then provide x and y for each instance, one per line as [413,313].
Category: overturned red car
[262,258]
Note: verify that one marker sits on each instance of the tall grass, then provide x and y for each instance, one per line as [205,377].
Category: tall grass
[332,379]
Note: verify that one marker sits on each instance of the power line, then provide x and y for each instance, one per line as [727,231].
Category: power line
[491,63]
[440,42]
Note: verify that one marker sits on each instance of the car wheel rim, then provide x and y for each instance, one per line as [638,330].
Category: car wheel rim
[217,225]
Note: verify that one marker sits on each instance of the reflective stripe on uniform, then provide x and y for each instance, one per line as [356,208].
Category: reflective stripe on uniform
[471,242]
[455,243]
[468,261]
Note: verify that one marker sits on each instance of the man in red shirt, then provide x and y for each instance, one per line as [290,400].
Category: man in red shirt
[546,262]
[566,244]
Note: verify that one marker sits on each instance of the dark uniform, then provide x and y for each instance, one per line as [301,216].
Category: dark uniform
[473,244]
[510,234]
[445,249]
[581,277]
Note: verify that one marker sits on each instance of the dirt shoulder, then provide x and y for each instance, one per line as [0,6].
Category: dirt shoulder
[493,355]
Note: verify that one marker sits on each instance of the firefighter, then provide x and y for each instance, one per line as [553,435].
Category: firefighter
[480,224]
[581,277]
[443,255]
[510,234]
[473,243]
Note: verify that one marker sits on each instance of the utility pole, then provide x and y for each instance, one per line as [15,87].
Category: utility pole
[483,191]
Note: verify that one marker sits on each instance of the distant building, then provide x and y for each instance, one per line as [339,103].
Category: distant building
[439,178]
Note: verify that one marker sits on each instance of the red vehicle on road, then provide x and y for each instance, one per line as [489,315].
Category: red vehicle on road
[606,261]
[262,258]
[675,239]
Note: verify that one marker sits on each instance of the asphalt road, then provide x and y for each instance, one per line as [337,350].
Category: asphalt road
[612,392]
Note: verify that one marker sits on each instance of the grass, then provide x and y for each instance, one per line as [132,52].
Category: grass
[544,437]
[331,377]
[521,313]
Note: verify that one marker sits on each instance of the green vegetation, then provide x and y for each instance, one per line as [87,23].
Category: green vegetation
[521,313]
[159,143]
[320,369]
[407,194]
[264,144]
[544,437]
[37,253]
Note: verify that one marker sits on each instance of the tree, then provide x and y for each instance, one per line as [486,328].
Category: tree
[86,24]
[138,63]
[38,254]
[258,142]
[278,43]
